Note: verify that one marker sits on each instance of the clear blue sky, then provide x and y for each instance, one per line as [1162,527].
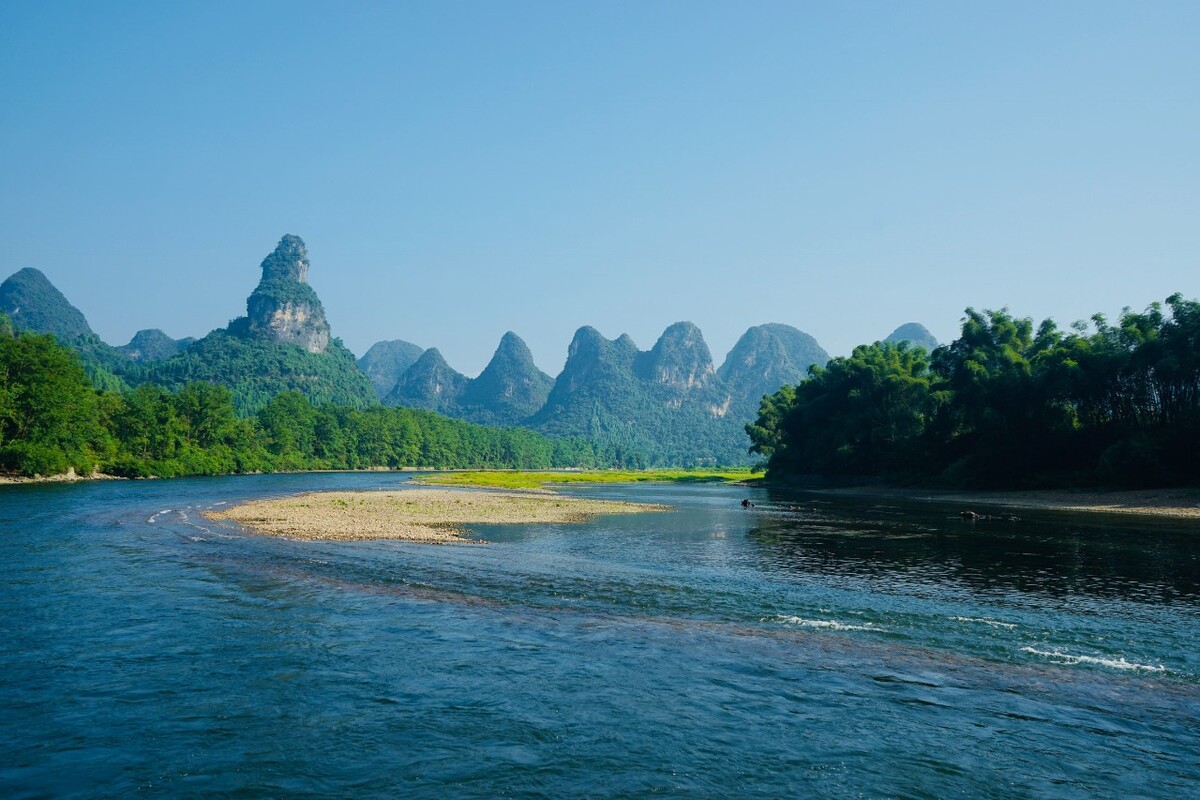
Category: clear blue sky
[460,169]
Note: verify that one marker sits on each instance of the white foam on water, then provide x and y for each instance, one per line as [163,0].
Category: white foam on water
[993,622]
[1114,663]
[825,624]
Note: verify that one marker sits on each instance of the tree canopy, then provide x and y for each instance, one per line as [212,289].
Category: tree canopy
[1005,404]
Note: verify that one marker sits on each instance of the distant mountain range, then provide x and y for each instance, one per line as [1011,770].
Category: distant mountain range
[666,405]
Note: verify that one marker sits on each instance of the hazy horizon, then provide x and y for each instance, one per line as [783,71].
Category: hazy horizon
[458,171]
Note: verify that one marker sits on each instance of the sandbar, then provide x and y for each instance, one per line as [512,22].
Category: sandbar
[432,516]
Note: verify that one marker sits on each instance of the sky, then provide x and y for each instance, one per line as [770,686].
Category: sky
[460,169]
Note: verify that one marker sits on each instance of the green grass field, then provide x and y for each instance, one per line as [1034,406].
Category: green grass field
[516,479]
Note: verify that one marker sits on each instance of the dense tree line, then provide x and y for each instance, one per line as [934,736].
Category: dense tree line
[1005,404]
[53,418]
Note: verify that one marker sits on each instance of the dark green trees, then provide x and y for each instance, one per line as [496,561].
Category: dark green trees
[49,414]
[1004,405]
[863,414]
[52,420]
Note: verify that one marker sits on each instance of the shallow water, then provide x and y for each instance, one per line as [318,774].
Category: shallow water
[805,648]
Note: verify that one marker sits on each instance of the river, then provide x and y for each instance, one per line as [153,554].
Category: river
[807,647]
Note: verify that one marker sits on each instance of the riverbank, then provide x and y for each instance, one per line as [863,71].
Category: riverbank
[432,516]
[70,476]
[544,480]
[1172,503]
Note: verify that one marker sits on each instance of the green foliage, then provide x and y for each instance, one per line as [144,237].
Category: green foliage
[255,371]
[539,480]
[1004,405]
[510,388]
[36,305]
[862,414]
[278,291]
[614,395]
[152,344]
[385,362]
[49,413]
[52,419]
[190,432]
[109,369]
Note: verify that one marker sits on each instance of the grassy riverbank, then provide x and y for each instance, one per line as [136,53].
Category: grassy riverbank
[538,480]
[413,515]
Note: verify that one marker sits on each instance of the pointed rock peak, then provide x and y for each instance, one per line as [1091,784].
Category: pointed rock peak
[34,303]
[765,358]
[782,345]
[682,331]
[587,343]
[288,262]
[626,342]
[680,358]
[432,357]
[429,383]
[915,334]
[431,362]
[283,308]
[385,362]
[510,388]
[682,338]
[587,334]
[30,276]
[511,343]
[511,354]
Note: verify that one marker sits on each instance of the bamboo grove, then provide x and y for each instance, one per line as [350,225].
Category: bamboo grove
[1004,405]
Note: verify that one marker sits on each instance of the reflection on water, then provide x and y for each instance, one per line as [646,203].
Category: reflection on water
[806,647]
[1152,561]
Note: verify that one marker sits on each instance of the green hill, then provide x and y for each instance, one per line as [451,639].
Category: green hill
[385,362]
[282,343]
[915,334]
[35,304]
[765,358]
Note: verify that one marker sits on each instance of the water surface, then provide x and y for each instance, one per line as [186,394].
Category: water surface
[807,647]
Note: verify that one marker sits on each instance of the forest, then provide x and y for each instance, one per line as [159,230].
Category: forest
[53,419]
[1005,405]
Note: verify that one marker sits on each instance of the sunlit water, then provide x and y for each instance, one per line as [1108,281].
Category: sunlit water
[804,648]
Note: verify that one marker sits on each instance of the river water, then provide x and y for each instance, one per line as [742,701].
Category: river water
[804,648]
